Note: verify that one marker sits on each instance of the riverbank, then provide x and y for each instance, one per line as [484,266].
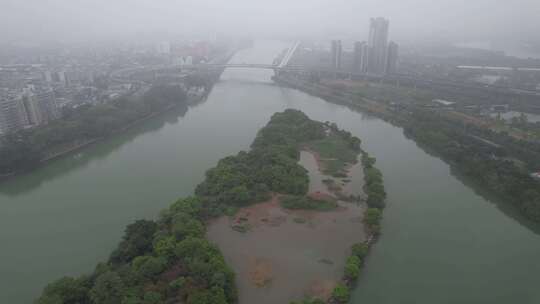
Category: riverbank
[71,149]
[78,145]
[372,216]
[359,104]
[503,168]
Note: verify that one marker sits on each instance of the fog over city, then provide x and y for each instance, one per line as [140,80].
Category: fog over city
[455,20]
[269,151]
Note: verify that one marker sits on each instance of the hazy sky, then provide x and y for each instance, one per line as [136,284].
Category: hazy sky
[90,19]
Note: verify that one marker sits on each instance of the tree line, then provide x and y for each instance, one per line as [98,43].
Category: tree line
[496,167]
[376,196]
[25,149]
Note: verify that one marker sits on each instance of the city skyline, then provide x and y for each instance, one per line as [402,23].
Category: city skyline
[378,55]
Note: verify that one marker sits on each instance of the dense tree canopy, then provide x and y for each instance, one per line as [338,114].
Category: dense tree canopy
[136,241]
[67,291]
[493,166]
[271,164]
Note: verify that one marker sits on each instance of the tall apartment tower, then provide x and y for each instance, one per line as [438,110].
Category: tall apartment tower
[32,109]
[392,58]
[337,52]
[378,45]
[361,57]
[47,105]
[12,114]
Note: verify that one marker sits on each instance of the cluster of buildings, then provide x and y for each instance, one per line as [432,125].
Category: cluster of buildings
[30,107]
[185,53]
[33,94]
[36,84]
[376,56]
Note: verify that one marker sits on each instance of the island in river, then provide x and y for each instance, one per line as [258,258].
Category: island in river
[286,254]
[172,260]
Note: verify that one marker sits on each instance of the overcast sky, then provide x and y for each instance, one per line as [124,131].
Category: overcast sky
[94,19]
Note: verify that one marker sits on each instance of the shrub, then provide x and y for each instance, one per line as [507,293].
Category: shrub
[352,271]
[308,203]
[373,216]
[341,293]
[165,247]
[360,250]
[148,266]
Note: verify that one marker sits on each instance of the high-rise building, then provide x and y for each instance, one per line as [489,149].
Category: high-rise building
[392,58]
[378,44]
[337,52]
[32,109]
[12,114]
[47,76]
[29,108]
[361,56]
[62,78]
[47,105]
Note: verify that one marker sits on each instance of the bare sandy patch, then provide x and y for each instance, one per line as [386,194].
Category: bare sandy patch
[260,272]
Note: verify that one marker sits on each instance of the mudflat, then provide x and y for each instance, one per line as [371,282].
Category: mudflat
[280,255]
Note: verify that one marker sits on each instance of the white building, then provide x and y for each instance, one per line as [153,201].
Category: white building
[164,48]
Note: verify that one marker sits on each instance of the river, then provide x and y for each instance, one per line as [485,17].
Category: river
[443,242]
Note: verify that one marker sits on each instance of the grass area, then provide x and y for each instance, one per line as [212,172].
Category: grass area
[335,153]
[308,203]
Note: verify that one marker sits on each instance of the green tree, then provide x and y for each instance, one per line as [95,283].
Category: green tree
[136,241]
[352,271]
[66,290]
[373,216]
[341,293]
[149,266]
[185,226]
[177,284]
[360,250]
[108,289]
[195,247]
[152,297]
[237,196]
[189,205]
[165,247]
[215,295]
[352,267]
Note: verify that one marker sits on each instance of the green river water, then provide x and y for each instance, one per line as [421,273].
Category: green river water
[443,241]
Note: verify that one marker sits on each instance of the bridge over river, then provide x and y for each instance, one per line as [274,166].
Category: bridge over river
[470,90]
